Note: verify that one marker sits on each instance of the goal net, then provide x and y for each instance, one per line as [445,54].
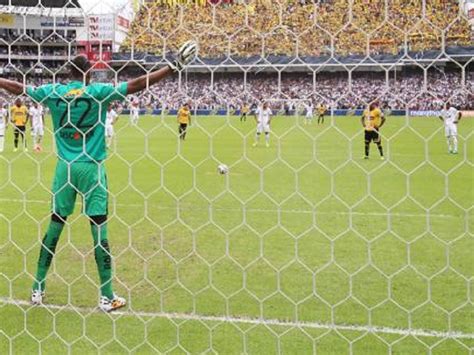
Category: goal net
[340,220]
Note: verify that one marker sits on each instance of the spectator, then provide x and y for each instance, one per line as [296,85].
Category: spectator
[303,27]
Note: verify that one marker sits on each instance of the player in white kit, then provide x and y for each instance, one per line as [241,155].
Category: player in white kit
[263,116]
[37,125]
[309,113]
[134,111]
[111,118]
[451,116]
[3,125]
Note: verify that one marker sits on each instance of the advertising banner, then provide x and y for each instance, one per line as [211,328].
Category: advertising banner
[101,27]
[7,20]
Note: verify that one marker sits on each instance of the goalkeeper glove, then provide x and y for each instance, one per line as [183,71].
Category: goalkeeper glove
[185,54]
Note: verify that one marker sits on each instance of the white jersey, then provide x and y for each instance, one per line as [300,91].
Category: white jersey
[111,116]
[309,110]
[263,115]
[450,117]
[3,116]
[36,116]
[135,108]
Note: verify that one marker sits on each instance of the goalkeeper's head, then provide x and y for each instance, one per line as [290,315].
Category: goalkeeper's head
[80,69]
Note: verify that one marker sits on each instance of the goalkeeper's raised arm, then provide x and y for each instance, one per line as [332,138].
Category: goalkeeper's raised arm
[13,87]
[185,54]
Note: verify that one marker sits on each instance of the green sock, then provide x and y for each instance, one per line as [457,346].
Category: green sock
[48,247]
[103,258]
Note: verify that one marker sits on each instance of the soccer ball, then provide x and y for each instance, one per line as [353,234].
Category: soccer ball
[222,169]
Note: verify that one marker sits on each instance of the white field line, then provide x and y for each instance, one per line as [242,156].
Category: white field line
[212,173]
[257,321]
[249,209]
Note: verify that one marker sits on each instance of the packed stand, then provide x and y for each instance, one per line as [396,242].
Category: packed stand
[226,91]
[299,27]
[231,91]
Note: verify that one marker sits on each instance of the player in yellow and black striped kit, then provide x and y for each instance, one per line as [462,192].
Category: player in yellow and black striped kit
[372,120]
[321,108]
[184,119]
[244,112]
[19,118]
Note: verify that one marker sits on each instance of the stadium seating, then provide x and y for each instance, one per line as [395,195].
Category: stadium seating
[228,91]
[299,28]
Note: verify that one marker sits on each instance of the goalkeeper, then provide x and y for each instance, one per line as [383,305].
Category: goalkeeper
[78,111]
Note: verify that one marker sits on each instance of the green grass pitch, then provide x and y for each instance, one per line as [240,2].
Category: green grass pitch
[302,231]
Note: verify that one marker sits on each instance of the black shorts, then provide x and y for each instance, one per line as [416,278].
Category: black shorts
[244,114]
[182,128]
[372,136]
[20,129]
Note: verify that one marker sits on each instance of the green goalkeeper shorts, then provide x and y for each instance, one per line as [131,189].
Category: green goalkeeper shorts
[88,179]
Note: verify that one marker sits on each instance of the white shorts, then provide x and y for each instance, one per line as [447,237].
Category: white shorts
[109,130]
[38,130]
[263,127]
[2,130]
[135,114]
[309,115]
[451,130]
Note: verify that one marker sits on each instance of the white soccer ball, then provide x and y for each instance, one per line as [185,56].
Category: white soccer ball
[222,169]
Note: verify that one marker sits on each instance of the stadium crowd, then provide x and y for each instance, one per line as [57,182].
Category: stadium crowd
[335,90]
[306,28]
[26,35]
[44,51]
[230,91]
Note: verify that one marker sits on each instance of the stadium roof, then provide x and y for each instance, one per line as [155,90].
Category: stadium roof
[43,3]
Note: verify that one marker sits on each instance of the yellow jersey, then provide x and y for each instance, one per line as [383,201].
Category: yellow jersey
[321,109]
[372,119]
[184,115]
[245,109]
[19,115]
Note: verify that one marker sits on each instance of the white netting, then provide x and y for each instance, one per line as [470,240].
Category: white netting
[303,247]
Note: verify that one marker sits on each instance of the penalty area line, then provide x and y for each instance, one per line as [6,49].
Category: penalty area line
[257,321]
[271,210]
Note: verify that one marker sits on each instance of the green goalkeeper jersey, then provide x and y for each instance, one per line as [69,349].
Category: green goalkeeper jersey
[79,114]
